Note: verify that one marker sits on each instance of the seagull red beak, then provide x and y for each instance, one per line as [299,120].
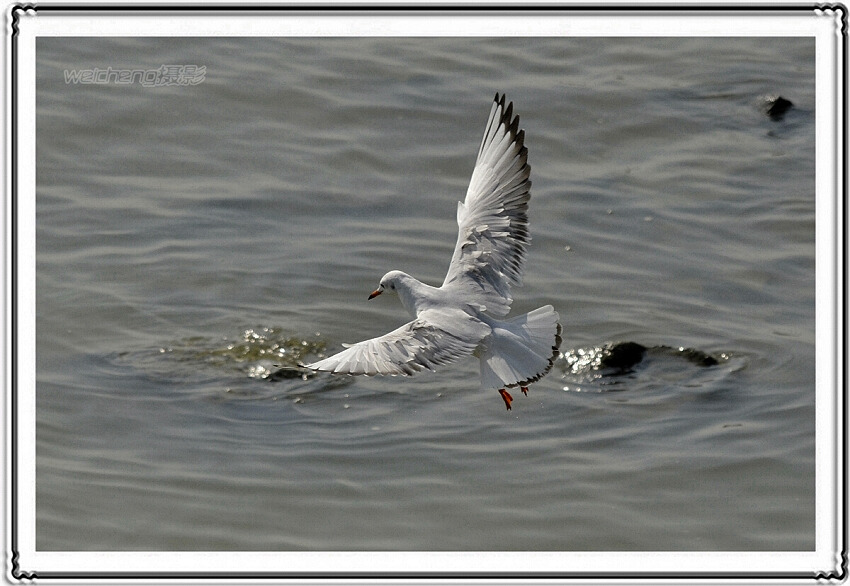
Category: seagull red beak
[375,293]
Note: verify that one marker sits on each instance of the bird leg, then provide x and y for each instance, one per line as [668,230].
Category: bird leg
[506,397]
[524,390]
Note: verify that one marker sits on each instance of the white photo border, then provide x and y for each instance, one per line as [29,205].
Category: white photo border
[827,23]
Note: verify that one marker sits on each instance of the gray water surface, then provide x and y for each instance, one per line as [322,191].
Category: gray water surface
[193,239]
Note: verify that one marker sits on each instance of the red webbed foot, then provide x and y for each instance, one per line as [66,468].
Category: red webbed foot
[506,397]
[524,390]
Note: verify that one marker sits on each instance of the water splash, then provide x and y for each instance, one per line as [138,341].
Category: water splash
[250,351]
[262,352]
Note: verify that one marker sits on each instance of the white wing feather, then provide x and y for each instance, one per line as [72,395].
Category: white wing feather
[493,220]
[436,337]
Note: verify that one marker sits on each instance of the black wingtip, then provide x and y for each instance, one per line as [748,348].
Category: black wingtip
[520,142]
[514,127]
[507,117]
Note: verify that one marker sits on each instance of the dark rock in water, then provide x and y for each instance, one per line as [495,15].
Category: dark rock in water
[625,355]
[698,357]
[622,355]
[776,107]
[286,372]
[622,358]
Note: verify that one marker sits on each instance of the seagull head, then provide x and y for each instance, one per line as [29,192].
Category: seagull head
[388,283]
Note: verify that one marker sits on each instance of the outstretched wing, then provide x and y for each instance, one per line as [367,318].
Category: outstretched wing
[434,338]
[493,220]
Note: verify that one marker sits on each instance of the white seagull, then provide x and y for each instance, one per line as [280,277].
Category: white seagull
[460,317]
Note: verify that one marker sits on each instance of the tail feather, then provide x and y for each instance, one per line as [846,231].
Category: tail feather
[522,350]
